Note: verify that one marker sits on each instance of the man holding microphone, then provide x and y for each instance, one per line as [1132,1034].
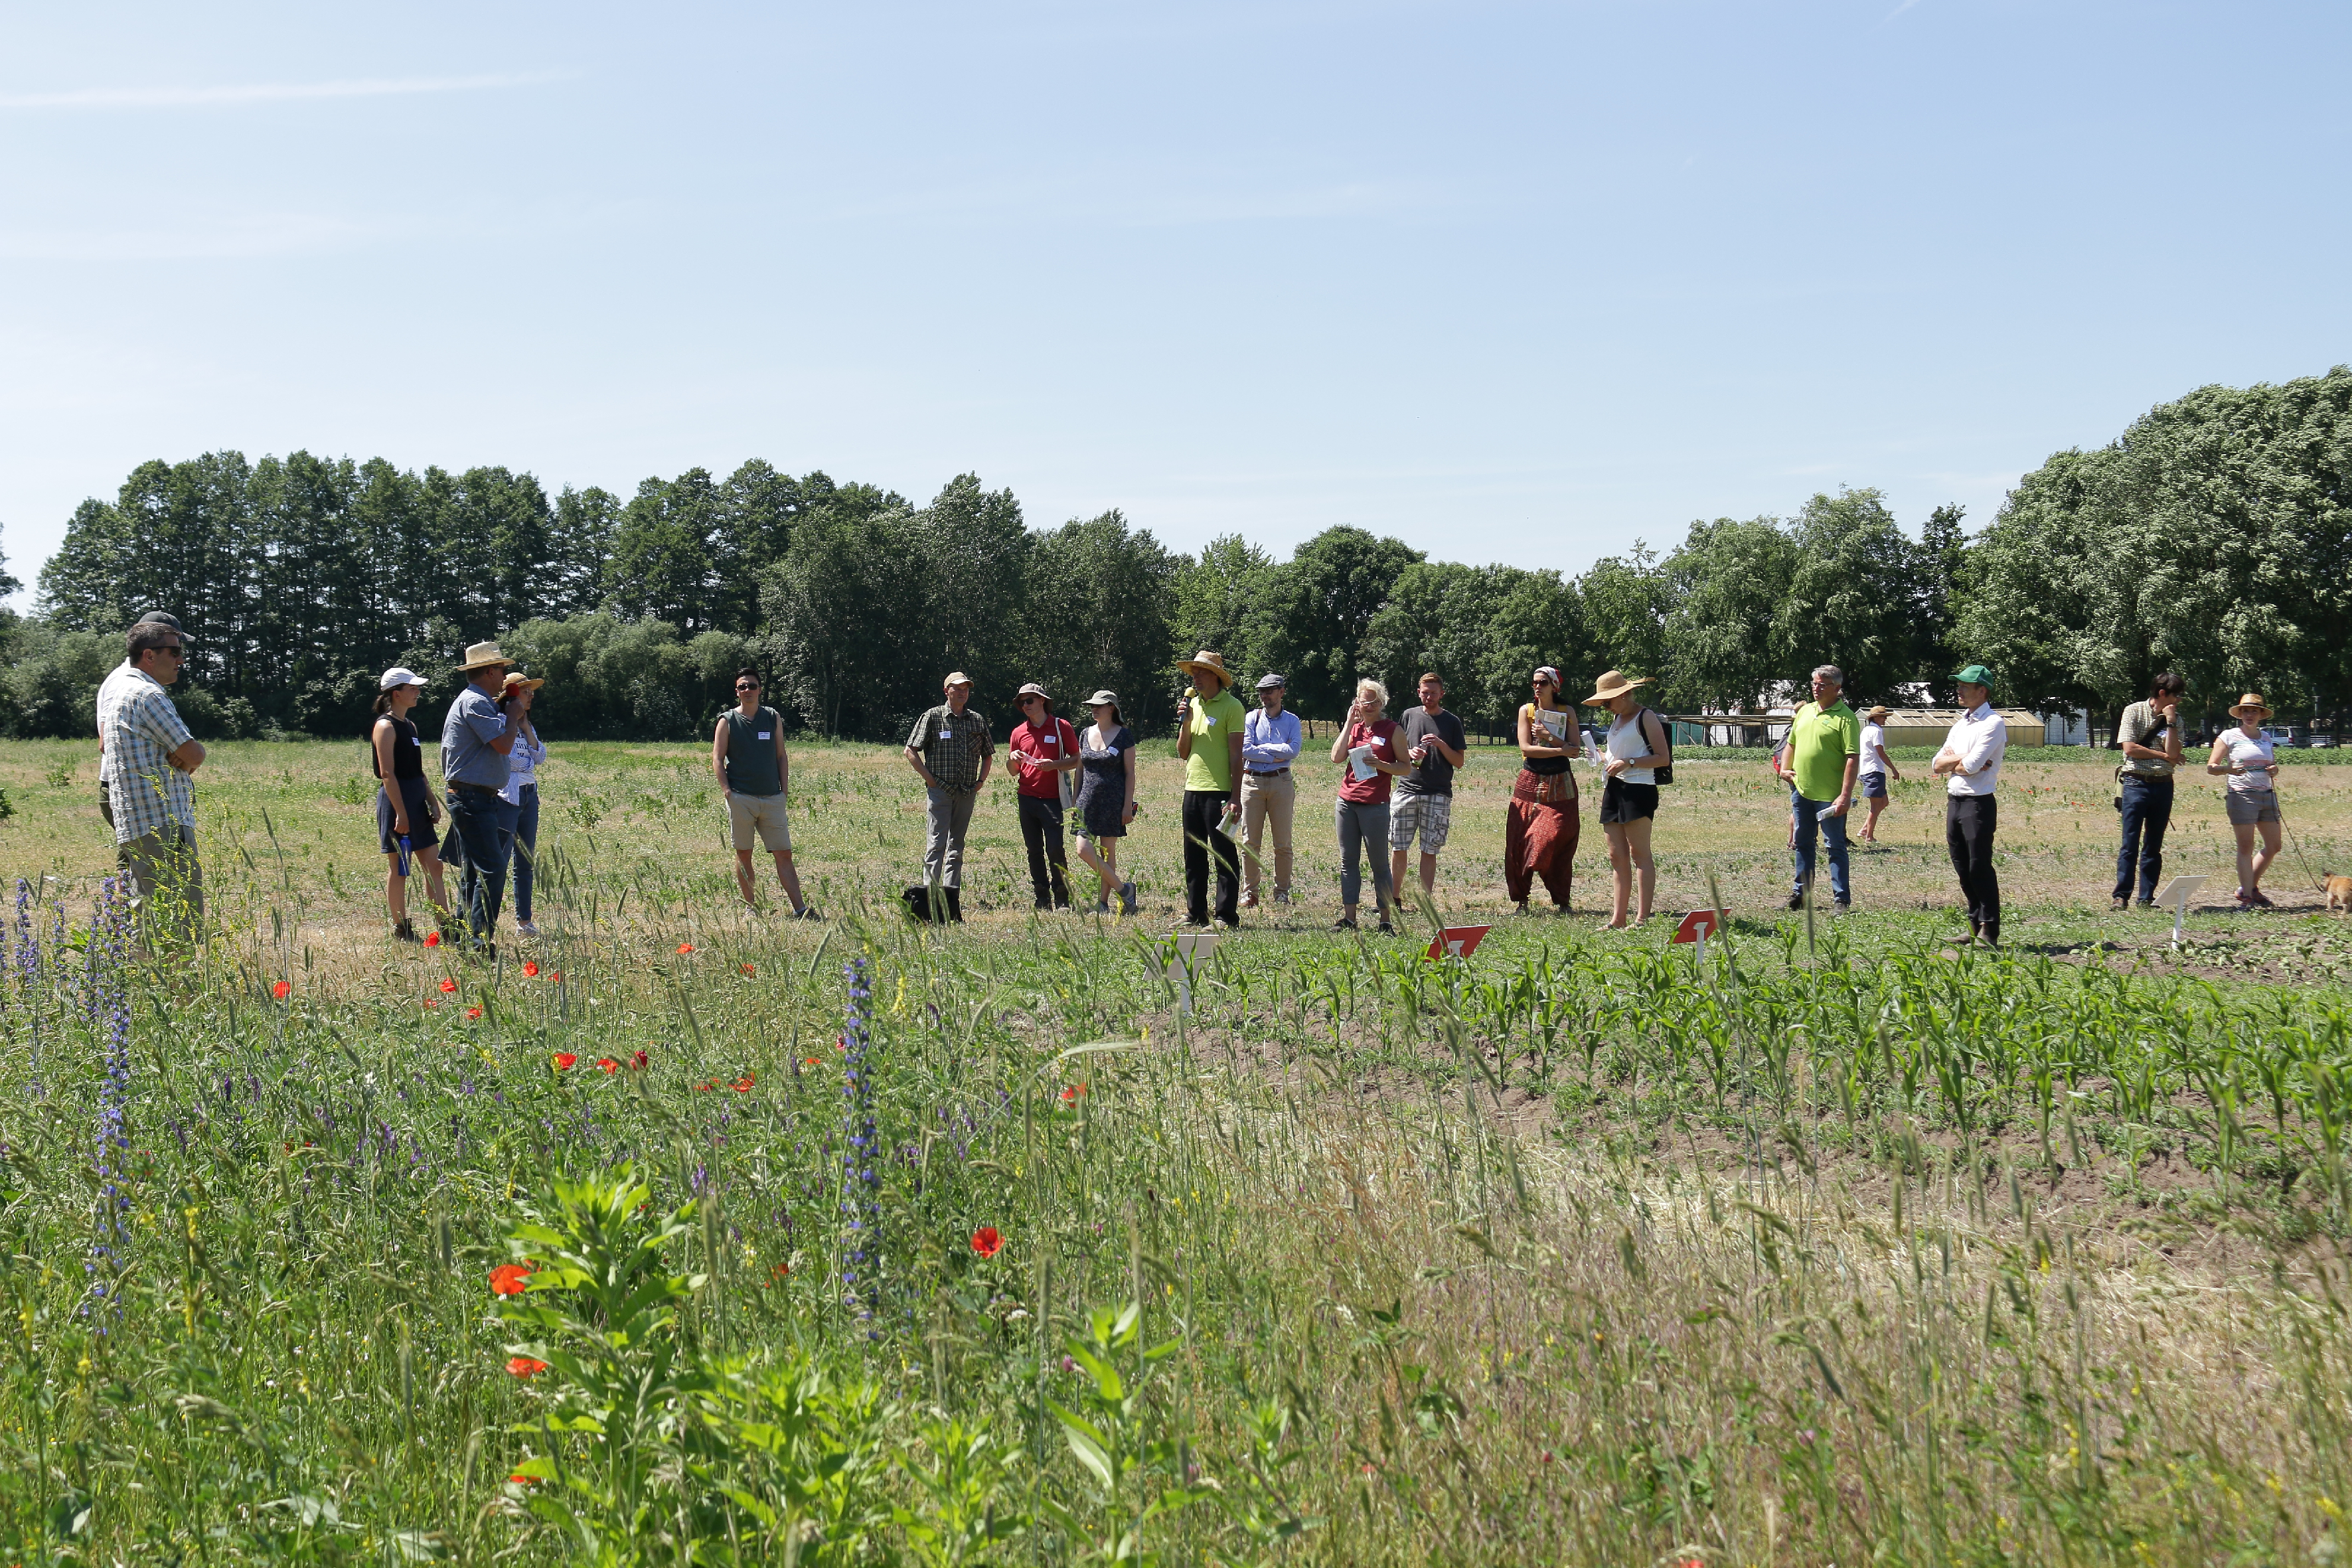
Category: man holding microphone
[1208,738]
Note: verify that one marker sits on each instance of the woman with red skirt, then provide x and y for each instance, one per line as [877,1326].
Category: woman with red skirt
[1540,835]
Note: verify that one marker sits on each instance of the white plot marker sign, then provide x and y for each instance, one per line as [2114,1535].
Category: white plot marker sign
[2175,896]
[1194,949]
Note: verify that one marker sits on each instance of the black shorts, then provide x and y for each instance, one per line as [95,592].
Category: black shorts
[1623,802]
[420,826]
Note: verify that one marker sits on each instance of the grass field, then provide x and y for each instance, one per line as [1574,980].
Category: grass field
[1850,1247]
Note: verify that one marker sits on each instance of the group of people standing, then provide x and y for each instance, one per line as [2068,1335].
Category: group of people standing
[1394,790]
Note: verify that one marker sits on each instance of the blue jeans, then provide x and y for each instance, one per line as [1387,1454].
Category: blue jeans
[484,826]
[2147,812]
[525,847]
[1809,816]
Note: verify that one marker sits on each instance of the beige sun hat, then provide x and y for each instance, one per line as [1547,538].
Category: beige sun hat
[1214,663]
[481,655]
[1612,685]
[2251,700]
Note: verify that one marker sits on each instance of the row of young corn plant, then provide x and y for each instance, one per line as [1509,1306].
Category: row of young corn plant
[889,1267]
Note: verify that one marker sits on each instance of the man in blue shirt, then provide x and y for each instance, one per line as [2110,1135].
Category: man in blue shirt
[475,741]
[1270,742]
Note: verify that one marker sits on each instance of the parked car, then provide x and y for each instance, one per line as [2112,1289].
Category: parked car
[2286,737]
[2321,741]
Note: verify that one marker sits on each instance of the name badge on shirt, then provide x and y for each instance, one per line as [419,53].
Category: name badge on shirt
[765,735]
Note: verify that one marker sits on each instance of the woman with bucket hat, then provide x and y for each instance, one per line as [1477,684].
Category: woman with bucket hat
[406,809]
[2245,757]
[1540,832]
[1209,739]
[1639,753]
[1105,798]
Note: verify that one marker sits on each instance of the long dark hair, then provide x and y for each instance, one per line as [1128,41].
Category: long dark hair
[383,707]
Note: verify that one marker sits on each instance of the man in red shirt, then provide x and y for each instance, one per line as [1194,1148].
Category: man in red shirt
[1045,751]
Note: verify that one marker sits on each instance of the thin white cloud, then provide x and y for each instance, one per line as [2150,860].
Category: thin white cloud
[269,93]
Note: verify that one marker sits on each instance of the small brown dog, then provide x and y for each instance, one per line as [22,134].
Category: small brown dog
[2339,893]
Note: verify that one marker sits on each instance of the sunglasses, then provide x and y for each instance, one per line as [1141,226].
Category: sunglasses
[1027,700]
[177,650]
[745,686]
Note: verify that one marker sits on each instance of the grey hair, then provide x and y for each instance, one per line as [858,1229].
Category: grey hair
[1828,672]
[1368,684]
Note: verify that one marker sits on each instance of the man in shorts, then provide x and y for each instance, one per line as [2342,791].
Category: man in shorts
[1423,801]
[747,753]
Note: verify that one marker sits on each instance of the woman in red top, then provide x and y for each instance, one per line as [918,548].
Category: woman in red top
[1369,749]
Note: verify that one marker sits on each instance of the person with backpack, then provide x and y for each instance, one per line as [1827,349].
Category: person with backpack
[1638,758]
[1044,753]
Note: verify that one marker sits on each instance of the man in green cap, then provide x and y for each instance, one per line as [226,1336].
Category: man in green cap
[1969,765]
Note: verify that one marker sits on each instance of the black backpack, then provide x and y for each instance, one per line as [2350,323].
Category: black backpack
[1664,775]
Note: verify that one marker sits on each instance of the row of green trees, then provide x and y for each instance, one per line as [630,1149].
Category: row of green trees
[2213,536]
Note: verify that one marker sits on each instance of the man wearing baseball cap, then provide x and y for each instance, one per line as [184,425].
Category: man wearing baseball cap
[152,756]
[109,690]
[1045,750]
[950,749]
[475,742]
[1969,764]
[1271,739]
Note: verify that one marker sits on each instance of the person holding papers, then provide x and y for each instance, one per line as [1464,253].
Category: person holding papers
[1539,833]
[1368,752]
[1969,764]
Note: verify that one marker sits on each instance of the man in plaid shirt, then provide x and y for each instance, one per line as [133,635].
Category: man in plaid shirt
[151,755]
[949,748]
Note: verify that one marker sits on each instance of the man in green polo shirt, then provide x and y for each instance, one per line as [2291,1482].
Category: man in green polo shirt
[1824,751]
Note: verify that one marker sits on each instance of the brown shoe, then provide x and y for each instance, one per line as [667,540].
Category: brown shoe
[1249,899]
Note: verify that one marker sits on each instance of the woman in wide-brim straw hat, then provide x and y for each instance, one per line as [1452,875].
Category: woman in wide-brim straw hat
[1639,744]
[1877,767]
[2244,756]
[1105,798]
[1541,824]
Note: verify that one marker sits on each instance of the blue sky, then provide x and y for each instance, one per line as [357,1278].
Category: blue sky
[1515,283]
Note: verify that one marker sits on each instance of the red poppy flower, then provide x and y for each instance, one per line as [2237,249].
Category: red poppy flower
[986,1241]
[432,1001]
[518,1479]
[703,1086]
[507,1278]
[563,1060]
[608,1064]
[684,947]
[750,969]
[530,967]
[280,990]
[638,1060]
[448,986]
[743,1084]
[808,1061]
[472,1014]
[777,1275]
[555,976]
[433,939]
[1070,1093]
[525,1366]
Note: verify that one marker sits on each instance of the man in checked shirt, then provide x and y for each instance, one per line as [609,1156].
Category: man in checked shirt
[150,755]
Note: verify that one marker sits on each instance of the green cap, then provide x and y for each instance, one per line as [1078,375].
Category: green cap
[1975,675]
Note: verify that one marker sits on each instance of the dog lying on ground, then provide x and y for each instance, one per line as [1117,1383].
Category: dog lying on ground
[2339,893]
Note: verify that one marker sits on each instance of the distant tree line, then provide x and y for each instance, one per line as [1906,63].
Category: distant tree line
[2213,536]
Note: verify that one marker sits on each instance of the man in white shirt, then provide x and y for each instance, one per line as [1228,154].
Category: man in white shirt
[1969,764]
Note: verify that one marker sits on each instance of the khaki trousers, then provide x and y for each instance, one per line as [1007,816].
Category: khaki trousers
[165,881]
[1267,797]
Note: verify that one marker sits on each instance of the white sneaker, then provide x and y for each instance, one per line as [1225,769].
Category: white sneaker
[526,928]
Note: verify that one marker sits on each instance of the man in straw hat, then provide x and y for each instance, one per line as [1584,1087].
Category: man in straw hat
[1969,764]
[1208,738]
[475,740]
[2150,737]
[949,748]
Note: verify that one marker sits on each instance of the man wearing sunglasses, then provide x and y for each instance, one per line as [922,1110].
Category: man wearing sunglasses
[150,755]
[747,753]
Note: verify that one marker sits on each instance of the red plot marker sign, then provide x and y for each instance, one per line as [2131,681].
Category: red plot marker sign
[1697,926]
[1457,942]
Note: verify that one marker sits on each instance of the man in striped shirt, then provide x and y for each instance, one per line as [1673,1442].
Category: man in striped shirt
[149,756]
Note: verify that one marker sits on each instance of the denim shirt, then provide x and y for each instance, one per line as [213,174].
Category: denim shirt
[1270,742]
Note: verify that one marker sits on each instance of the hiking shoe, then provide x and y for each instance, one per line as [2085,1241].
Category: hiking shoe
[1343,923]
[526,928]
[1797,899]
[1282,897]
[1842,906]
[806,913]
[1126,899]
[1386,929]
[1249,899]
[406,931]
[2119,905]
